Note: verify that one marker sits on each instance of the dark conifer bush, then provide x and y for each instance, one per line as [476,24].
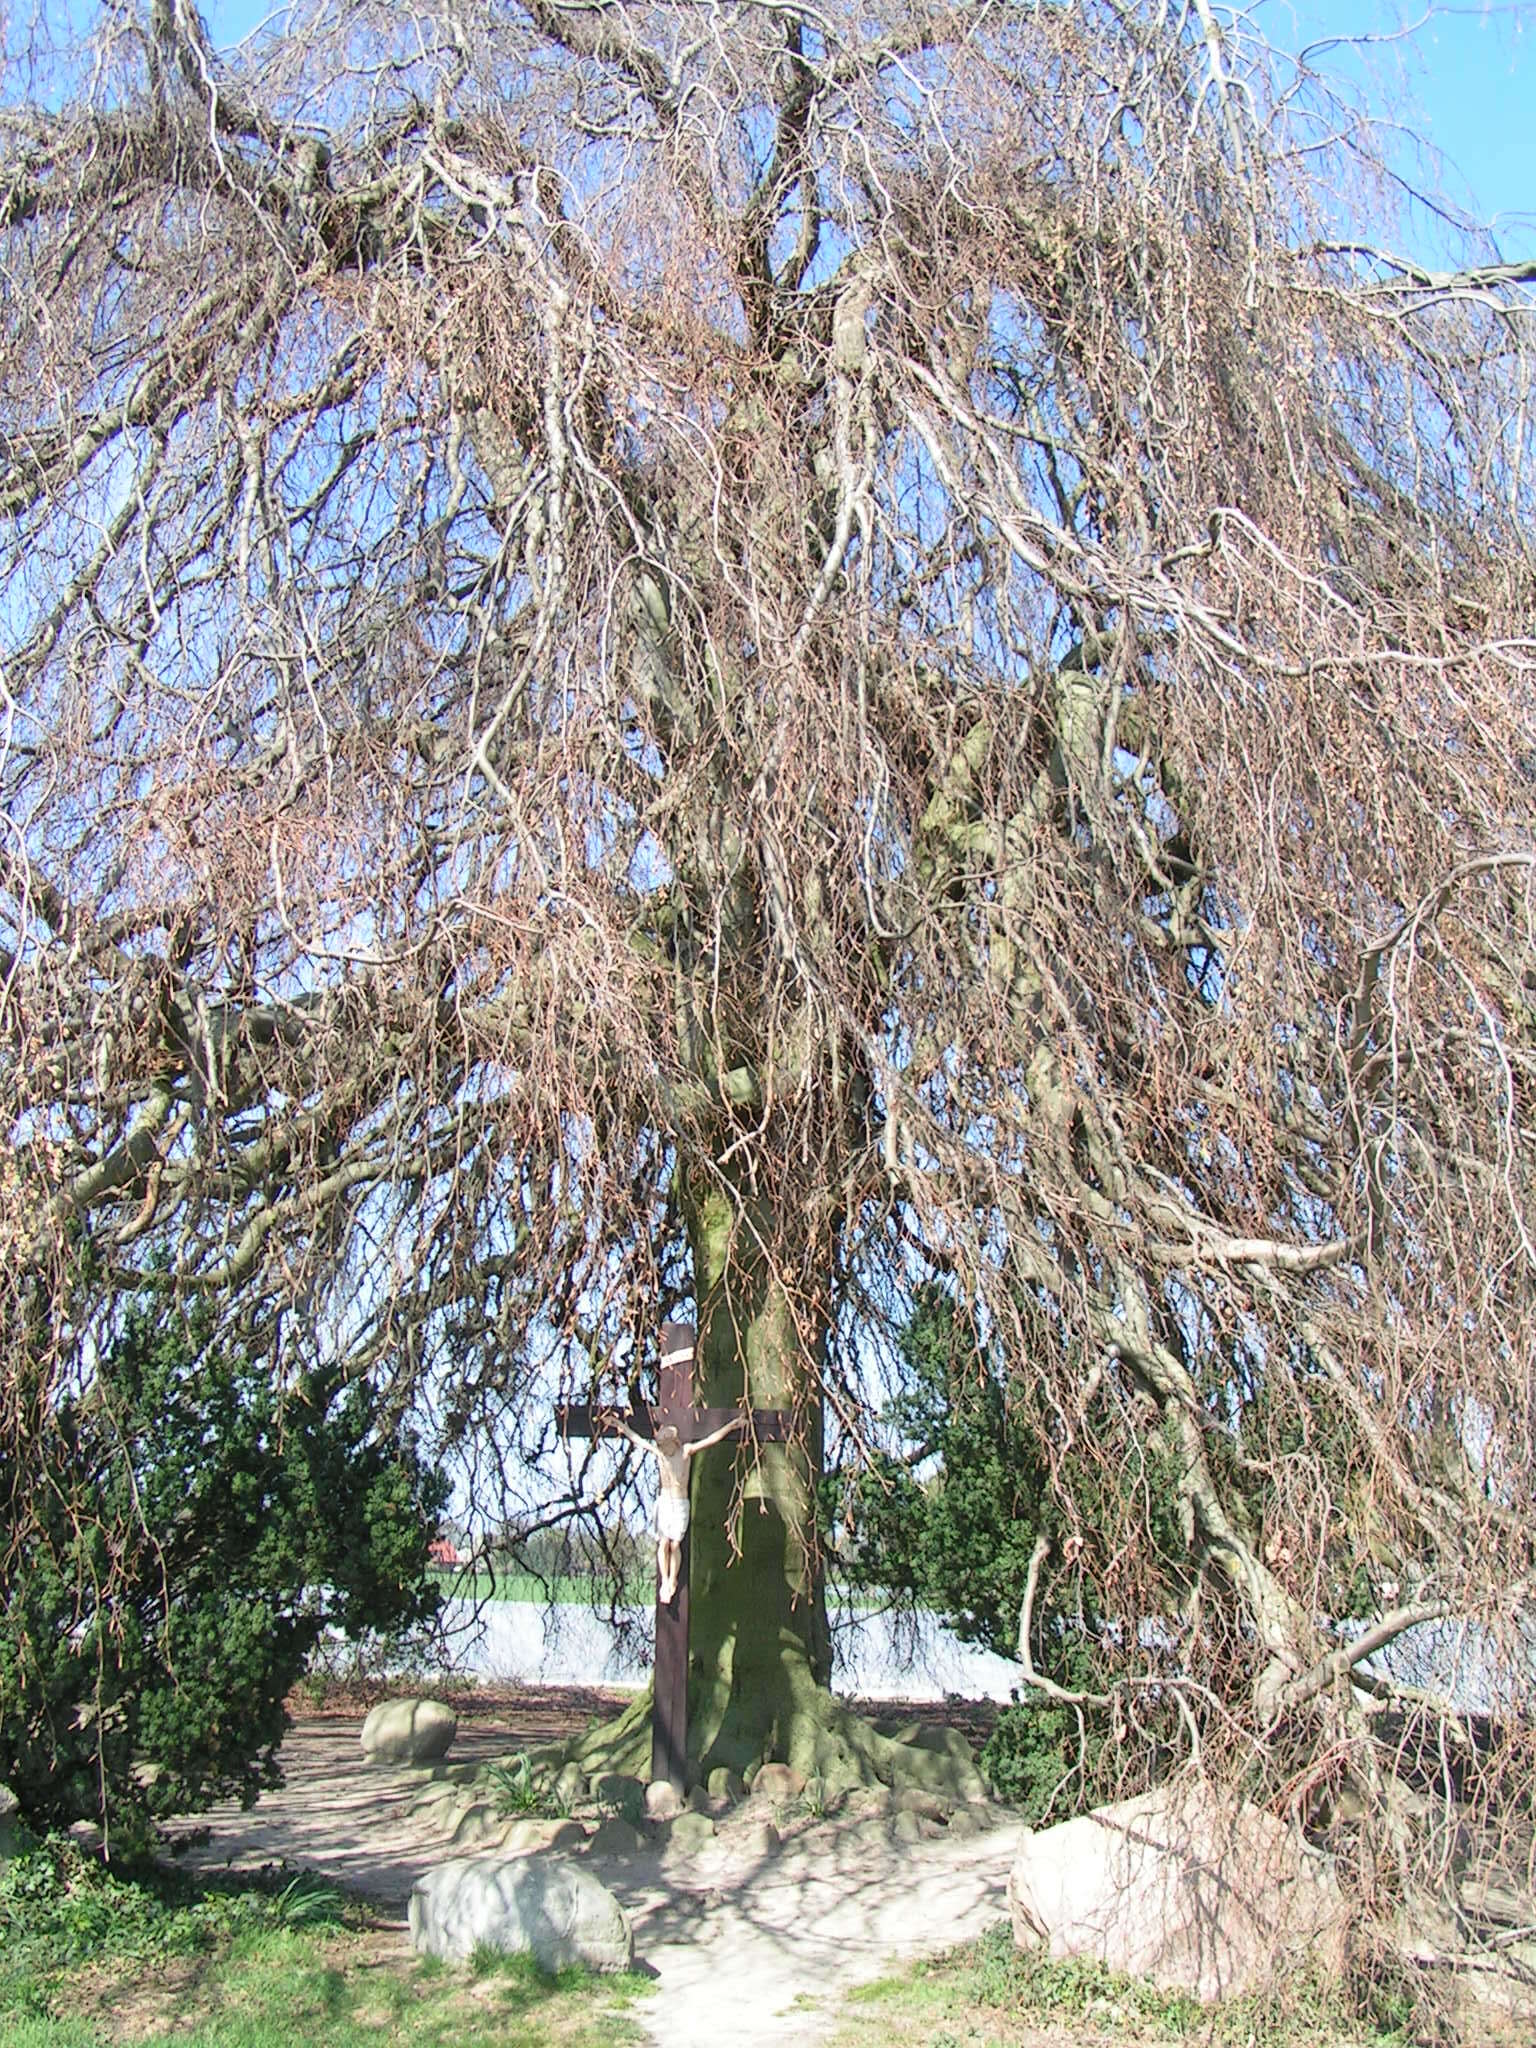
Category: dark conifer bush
[189,1533]
[951,1523]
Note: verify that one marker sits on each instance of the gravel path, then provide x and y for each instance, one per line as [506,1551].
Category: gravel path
[748,1944]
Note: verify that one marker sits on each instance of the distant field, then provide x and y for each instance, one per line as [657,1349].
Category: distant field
[576,1592]
[564,1592]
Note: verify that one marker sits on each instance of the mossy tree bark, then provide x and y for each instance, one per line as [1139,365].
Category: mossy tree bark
[760,1654]
[759,1650]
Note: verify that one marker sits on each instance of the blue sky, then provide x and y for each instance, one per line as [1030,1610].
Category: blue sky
[1459,75]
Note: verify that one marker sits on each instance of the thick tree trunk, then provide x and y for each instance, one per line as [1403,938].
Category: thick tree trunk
[759,1646]
[760,1653]
[760,1656]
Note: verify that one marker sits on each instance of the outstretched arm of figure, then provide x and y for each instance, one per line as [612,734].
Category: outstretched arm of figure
[615,1420]
[716,1435]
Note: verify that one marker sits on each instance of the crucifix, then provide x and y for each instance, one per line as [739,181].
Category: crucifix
[674,1431]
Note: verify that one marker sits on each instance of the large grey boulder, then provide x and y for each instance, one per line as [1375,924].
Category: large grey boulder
[408,1732]
[1198,1892]
[543,1906]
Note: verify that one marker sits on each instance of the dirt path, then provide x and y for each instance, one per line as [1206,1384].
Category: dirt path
[749,1943]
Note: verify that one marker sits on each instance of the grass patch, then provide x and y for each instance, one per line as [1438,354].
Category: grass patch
[515,1792]
[90,1958]
[991,1994]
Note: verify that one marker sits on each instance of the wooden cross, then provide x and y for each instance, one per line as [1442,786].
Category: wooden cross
[675,1405]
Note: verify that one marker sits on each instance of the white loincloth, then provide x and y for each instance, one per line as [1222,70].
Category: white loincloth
[672,1516]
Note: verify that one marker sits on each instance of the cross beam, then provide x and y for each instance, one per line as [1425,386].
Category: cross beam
[674,1406]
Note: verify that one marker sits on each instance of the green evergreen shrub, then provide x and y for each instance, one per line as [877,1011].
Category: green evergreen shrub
[951,1526]
[177,1535]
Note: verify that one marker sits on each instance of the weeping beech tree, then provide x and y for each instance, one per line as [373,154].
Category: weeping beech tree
[760,655]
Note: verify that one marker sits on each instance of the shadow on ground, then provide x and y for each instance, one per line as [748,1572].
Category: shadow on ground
[748,1943]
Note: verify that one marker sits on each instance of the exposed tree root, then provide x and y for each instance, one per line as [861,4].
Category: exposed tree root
[808,1728]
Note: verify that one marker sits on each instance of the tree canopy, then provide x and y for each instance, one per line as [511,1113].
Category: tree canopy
[772,652]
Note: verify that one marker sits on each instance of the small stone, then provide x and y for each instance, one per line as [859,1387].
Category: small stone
[914,1799]
[663,1801]
[408,1731]
[822,1800]
[726,1784]
[555,1910]
[907,1826]
[478,1824]
[445,1813]
[616,1837]
[13,1836]
[962,1822]
[570,1788]
[778,1783]
[532,1836]
[619,1793]
[866,1800]
[689,1833]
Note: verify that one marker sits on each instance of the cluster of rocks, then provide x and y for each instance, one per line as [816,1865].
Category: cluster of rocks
[610,1813]
[529,1883]
[1183,1887]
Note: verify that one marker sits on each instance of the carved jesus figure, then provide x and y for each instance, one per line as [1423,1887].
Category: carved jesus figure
[672,1456]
